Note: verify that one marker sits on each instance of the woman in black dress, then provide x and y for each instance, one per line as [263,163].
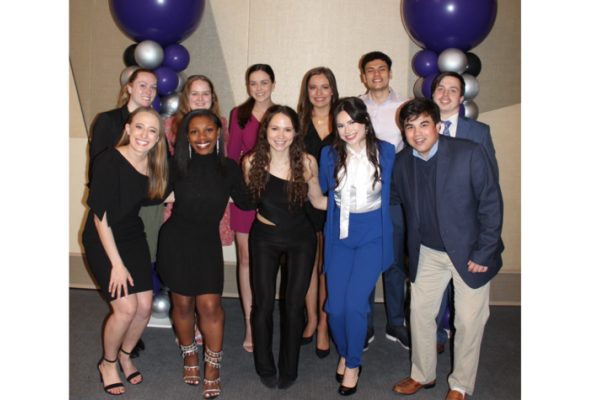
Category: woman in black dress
[319,92]
[126,177]
[190,255]
[280,176]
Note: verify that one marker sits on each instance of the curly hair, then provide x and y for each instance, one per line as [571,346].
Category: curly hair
[257,175]
[357,110]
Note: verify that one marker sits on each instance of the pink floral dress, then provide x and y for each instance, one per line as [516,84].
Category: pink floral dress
[224,227]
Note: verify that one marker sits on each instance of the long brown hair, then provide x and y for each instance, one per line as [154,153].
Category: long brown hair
[305,107]
[296,186]
[184,102]
[244,112]
[357,110]
[158,169]
[124,93]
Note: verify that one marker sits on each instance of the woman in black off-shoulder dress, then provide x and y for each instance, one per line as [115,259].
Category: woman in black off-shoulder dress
[190,255]
[126,177]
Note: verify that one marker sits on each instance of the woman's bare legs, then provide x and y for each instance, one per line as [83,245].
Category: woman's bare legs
[183,319]
[123,329]
[243,255]
[317,292]
[212,322]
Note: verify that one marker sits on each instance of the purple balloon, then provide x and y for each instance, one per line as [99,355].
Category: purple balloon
[163,21]
[167,80]
[425,63]
[156,283]
[442,24]
[426,88]
[176,57]
[157,103]
[447,318]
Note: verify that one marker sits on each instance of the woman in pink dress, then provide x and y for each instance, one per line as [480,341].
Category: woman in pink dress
[260,80]
[198,94]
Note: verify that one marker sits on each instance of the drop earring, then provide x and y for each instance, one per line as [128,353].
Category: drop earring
[190,151]
[217,146]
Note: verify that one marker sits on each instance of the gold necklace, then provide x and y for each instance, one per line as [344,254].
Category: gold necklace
[321,122]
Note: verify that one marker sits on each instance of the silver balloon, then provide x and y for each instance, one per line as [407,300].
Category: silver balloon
[471,87]
[182,80]
[127,73]
[161,305]
[417,89]
[451,60]
[170,103]
[149,54]
[471,109]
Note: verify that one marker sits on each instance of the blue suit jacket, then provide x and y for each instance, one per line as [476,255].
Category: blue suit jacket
[326,180]
[479,133]
[468,203]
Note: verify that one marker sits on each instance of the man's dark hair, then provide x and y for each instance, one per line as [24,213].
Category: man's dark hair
[375,55]
[442,75]
[417,107]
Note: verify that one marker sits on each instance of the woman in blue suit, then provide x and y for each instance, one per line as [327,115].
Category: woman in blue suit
[356,172]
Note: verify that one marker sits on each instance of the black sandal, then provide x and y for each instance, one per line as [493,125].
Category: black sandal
[135,374]
[114,385]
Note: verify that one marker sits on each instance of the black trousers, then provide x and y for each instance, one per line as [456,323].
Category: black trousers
[267,244]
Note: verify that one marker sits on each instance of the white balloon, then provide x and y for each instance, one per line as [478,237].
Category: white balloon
[452,60]
[418,88]
[127,73]
[471,110]
[471,87]
[149,54]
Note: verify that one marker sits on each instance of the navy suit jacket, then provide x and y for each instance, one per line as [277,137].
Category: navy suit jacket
[326,180]
[468,204]
[479,133]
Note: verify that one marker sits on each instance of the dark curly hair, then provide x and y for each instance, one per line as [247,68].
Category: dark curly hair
[357,110]
[257,175]
[182,146]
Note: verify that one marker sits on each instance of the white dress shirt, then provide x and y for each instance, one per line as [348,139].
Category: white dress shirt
[355,193]
[454,124]
[383,117]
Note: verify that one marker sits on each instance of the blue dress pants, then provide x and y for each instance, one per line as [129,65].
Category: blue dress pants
[356,263]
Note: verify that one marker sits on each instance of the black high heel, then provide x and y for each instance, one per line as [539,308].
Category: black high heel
[307,340]
[346,391]
[339,377]
[135,374]
[114,385]
[322,353]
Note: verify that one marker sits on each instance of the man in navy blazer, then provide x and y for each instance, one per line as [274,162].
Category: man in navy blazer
[453,208]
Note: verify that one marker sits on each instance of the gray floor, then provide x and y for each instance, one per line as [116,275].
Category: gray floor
[384,364]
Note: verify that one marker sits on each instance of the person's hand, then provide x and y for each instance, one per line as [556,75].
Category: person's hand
[476,267]
[118,279]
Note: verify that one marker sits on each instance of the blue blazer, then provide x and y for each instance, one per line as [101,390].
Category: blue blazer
[468,203]
[479,133]
[326,180]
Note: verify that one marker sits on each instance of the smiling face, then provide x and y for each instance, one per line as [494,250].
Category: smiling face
[447,96]
[319,91]
[377,75]
[280,132]
[260,86]
[143,132]
[351,132]
[200,97]
[203,134]
[142,91]
[422,133]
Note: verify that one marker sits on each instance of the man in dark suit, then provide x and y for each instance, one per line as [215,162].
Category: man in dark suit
[448,92]
[453,208]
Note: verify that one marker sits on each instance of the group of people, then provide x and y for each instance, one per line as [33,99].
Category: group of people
[329,188]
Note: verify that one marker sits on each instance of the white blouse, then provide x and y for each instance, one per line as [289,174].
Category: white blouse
[355,193]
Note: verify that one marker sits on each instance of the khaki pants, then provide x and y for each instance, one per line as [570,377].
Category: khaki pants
[472,312]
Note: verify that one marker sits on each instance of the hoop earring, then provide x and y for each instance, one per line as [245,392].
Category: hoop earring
[190,151]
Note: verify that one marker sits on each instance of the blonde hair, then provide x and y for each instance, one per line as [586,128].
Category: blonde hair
[124,93]
[158,169]
[184,102]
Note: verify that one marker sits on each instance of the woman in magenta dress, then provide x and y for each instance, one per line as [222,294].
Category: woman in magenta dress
[198,94]
[260,80]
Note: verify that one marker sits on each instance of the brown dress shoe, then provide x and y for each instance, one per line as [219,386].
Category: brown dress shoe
[455,395]
[410,386]
[439,348]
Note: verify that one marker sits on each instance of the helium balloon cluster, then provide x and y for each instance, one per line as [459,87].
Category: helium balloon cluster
[459,26]
[158,26]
